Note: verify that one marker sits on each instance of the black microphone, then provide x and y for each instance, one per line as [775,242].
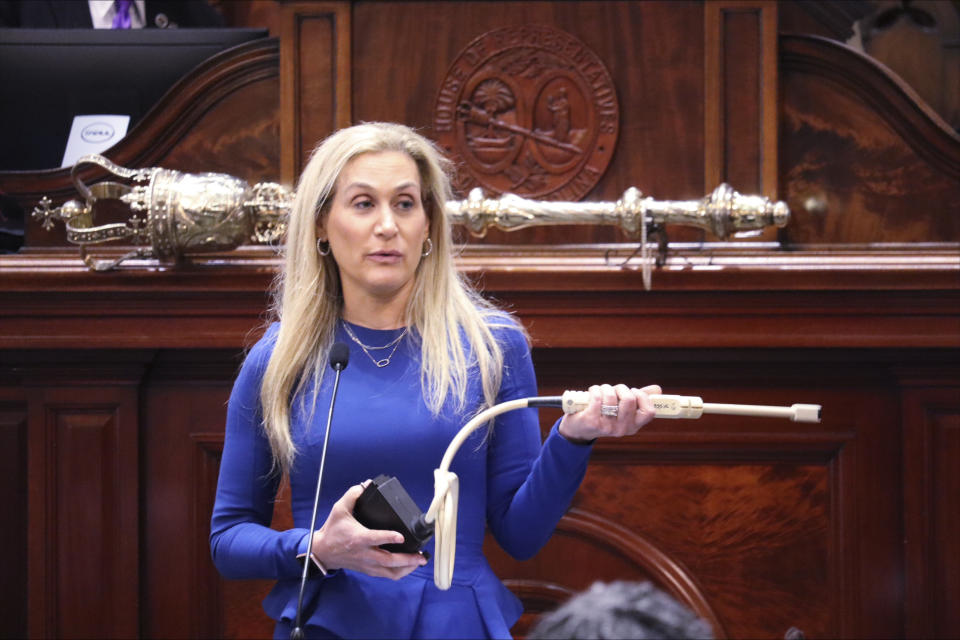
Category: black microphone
[339,357]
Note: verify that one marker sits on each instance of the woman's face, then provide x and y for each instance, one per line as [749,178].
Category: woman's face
[376,226]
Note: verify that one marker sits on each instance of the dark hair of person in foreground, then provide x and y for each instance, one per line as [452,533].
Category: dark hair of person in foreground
[635,610]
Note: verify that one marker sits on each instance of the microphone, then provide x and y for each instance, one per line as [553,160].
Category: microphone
[339,357]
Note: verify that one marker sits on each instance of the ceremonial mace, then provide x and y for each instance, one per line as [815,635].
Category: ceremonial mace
[177,214]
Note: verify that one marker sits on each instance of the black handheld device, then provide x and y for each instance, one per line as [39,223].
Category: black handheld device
[385,504]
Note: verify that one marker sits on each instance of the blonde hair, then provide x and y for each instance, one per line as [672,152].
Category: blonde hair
[444,310]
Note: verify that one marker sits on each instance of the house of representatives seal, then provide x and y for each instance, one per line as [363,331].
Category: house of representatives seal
[528,110]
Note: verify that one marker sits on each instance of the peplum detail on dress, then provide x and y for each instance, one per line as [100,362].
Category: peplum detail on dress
[354,605]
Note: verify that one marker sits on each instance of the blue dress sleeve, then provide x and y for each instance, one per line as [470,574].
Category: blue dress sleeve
[529,485]
[242,543]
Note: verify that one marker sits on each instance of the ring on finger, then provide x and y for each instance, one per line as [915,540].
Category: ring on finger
[609,410]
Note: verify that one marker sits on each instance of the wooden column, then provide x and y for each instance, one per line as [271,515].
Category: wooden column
[314,79]
[740,96]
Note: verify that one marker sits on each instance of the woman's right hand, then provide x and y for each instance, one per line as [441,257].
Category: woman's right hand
[344,543]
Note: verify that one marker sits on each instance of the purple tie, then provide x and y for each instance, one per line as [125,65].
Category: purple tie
[122,18]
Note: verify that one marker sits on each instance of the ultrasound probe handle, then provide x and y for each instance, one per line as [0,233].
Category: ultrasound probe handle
[692,407]
[443,509]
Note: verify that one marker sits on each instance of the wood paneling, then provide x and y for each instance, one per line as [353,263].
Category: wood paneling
[740,76]
[13,495]
[315,78]
[726,504]
[794,518]
[83,498]
[184,407]
[932,491]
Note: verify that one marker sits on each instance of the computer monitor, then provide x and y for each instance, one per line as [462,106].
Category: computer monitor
[47,76]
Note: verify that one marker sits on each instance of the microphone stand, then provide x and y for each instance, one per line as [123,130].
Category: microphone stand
[339,356]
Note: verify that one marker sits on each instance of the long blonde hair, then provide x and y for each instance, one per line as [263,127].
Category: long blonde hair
[444,310]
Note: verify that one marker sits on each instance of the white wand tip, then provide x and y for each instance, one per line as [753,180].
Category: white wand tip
[806,412]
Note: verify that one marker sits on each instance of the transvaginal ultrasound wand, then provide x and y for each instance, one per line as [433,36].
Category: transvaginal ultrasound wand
[443,509]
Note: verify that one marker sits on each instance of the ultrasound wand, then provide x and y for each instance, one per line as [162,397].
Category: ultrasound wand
[443,509]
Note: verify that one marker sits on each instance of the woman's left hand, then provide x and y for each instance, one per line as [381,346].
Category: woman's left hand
[633,410]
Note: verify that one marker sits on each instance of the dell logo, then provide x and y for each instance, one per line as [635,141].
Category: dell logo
[97,132]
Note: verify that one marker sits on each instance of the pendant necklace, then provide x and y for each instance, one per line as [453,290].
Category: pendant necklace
[382,362]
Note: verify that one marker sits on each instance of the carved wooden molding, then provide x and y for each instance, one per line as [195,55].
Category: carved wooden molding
[624,553]
[528,109]
[689,266]
[665,571]
[836,17]
[885,93]
[888,299]
[193,96]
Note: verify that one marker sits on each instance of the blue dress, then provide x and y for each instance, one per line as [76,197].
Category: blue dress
[509,483]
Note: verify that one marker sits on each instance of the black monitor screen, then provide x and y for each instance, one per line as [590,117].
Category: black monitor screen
[47,76]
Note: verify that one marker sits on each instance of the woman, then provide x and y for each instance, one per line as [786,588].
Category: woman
[369,263]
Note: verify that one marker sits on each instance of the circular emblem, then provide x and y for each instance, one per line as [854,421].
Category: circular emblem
[97,132]
[528,110]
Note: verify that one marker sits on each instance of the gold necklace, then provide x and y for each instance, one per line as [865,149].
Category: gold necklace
[381,363]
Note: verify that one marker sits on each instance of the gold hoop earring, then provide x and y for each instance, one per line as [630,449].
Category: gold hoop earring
[428,248]
[320,248]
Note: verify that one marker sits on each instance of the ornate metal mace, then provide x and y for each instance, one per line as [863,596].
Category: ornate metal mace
[177,214]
